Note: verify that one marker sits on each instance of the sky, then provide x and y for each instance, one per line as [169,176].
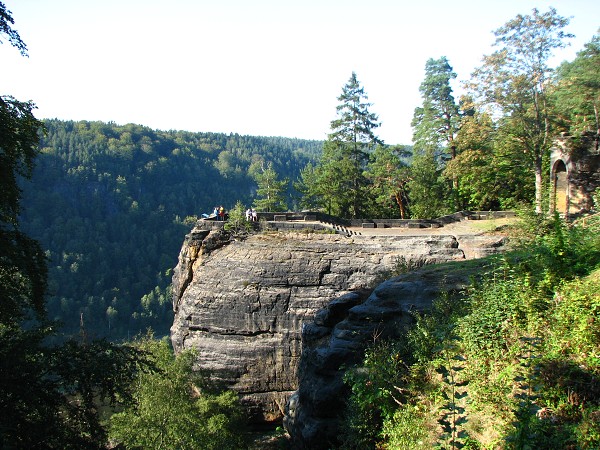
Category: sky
[252,67]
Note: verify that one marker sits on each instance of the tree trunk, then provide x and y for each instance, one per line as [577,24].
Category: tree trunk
[398,197]
[538,185]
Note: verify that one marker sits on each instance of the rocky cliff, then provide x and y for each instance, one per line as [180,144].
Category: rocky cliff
[242,303]
[338,336]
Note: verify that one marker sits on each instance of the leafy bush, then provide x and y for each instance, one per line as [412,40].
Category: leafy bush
[512,364]
[377,387]
[173,409]
[408,429]
[575,323]
[237,223]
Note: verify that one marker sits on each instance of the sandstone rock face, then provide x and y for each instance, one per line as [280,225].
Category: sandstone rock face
[337,338]
[242,303]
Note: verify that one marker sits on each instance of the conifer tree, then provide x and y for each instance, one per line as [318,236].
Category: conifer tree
[389,175]
[270,190]
[440,118]
[435,125]
[340,174]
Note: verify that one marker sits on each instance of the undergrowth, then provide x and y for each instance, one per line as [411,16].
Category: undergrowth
[511,363]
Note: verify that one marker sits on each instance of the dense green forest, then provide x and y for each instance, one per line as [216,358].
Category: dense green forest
[111,204]
[488,149]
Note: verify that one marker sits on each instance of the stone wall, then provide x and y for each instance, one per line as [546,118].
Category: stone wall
[306,221]
[431,223]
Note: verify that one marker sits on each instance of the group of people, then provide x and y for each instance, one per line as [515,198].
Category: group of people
[219,213]
[251,215]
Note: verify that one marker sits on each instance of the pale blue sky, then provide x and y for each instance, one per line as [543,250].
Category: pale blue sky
[260,67]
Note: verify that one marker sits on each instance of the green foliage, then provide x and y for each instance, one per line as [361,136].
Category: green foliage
[111,204]
[237,222]
[7,31]
[578,90]
[309,196]
[407,429]
[449,364]
[576,306]
[331,178]
[269,195]
[429,191]
[514,80]
[19,138]
[511,363]
[22,265]
[52,397]
[172,408]
[340,182]
[377,387]
[435,126]
[495,311]
[436,122]
[491,173]
[389,175]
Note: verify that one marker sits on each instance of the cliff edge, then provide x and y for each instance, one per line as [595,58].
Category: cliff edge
[242,303]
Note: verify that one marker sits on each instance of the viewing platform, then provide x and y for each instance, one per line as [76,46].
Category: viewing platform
[321,222]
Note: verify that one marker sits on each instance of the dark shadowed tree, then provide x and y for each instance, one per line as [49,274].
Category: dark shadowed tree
[49,395]
[8,32]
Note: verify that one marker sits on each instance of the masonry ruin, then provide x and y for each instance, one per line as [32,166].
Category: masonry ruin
[574,174]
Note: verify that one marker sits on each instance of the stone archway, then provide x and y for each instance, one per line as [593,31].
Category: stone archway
[560,187]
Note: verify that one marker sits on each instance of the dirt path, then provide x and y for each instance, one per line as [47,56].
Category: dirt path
[465,227]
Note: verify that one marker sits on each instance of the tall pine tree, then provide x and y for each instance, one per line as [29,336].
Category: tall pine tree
[341,181]
[435,125]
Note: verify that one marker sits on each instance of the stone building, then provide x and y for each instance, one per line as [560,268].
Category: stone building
[574,174]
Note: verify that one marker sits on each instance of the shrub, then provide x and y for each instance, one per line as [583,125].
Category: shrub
[377,387]
[517,357]
[172,409]
[236,222]
[575,323]
[408,429]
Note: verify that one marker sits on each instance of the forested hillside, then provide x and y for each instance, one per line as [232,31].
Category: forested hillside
[109,205]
